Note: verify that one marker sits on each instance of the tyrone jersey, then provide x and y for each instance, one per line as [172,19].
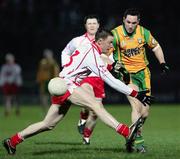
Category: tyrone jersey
[130,50]
[72,46]
[84,60]
[10,74]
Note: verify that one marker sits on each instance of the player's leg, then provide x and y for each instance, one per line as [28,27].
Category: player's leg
[145,77]
[8,104]
[138,110]
[89,127]
[15,98]
[16,104]
[44,96]
[7,97]
[84,111]
[82,98]
[54,115]
[136,105]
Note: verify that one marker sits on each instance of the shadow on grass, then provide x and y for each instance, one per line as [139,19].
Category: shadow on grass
[83,150]
[58,143]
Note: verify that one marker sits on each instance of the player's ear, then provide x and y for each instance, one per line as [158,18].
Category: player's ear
[138,21]
[98,25]
[124,19]
[99,41]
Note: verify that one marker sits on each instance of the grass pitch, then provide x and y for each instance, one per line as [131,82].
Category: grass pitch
[161,133]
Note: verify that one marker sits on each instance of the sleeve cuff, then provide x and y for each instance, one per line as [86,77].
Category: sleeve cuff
[133,93]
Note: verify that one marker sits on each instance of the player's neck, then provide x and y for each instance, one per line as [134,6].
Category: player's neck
[90,36]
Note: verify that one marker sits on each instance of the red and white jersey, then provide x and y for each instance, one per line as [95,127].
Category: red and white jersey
[10,74]
[72,46]
[84,60]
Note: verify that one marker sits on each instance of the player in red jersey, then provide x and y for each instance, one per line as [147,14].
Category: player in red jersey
[10,81]
[91,23]
[74,72]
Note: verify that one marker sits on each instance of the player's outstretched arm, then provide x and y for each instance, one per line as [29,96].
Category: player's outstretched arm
[160,56]
[98,67]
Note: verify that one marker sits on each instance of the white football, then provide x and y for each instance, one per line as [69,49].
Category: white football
[57,86]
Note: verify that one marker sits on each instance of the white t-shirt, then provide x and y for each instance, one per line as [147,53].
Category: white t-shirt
[72,46]
[84,60]
[11,74]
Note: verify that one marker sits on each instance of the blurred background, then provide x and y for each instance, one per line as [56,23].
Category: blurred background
[29,26]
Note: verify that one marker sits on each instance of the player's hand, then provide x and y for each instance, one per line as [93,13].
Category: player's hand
[125,74]
[143,98]
[116,66]
[164,68]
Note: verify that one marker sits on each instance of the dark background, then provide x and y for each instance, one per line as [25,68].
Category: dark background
[29,26]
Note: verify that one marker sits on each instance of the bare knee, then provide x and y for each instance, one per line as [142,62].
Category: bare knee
[145,112]
[48,125]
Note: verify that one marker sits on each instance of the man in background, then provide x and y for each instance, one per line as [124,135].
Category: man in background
[10,82]
[47,69]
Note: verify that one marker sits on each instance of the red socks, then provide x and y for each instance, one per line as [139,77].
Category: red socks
[123,130]
[16,139]
[84,115]
[87,132]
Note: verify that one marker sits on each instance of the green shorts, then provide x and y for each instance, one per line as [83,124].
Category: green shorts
[142,79]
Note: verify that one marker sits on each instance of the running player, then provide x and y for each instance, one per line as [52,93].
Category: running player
[91,23]
[88,61]
[129,43]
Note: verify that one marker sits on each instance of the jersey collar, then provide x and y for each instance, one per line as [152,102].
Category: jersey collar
[91,40]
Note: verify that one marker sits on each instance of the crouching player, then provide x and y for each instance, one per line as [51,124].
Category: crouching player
[88,61]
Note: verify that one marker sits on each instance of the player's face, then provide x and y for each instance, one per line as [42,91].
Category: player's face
[130,23]
[92,26]
[106,44]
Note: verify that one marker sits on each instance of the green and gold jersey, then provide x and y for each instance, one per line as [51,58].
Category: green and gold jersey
[130,50]
[48,68]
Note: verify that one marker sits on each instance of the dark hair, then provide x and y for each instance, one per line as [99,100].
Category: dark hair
[133,12]
[91,16]
[102,33]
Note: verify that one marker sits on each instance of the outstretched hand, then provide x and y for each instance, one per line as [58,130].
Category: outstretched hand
[145,99]
[164,69]
[118,68]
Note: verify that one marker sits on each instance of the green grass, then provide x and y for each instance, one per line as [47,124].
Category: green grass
[161,133]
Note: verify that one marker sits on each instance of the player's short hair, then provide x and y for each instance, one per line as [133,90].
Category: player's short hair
[133,12]
[47,53]
[91,16]
[102,33]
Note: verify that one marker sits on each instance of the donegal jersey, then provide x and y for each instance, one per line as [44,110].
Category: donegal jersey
[47,69]
[130,50]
